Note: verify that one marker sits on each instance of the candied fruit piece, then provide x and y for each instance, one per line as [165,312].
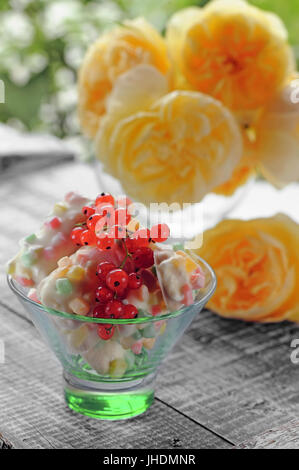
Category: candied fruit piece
[162,329]
[11,268]
[117,368]
[30,238]
[149,331]
[79,306]
[137,347]
[149,343]
[54,223]
[64,286]
[25,282]
[59,208]
[76,273]
[28,258]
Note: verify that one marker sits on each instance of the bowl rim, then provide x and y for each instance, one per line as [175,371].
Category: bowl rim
[14,286]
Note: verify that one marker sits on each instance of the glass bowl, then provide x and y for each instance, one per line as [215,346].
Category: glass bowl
[112,379]
[187,222]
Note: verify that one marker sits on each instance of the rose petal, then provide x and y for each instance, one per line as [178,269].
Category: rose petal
[136,90]
[278,157]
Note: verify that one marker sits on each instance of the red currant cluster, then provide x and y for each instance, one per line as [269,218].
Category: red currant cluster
[105,226]
[106,222]
[114,284]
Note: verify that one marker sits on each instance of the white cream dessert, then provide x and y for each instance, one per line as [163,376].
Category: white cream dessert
[40,251]
[87,261]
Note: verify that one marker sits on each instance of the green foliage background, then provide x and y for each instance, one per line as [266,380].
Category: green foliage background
[43,41]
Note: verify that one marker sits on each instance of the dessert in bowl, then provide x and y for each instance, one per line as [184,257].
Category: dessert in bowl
[113,306]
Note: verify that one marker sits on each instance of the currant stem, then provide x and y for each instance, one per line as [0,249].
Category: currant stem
[126,257]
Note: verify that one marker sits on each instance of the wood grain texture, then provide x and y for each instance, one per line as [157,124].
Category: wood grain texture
[225,383]
[4,443]
[235,378]
[284,437]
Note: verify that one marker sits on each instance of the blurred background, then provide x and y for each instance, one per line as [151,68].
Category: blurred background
[43,43]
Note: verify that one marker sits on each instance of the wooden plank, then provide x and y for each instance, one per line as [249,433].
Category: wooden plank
[8,441]
[4,443]
[32,407]
[234,378]
[284,437]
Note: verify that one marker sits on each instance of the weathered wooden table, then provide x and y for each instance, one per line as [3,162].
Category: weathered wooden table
[226,384]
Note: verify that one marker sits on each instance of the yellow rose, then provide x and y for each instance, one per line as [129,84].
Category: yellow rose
[175,148]
[257,266]
[276,149]
[231,50]
[135,42]
[241,174]
[271,136]
[175,34]
[270,140]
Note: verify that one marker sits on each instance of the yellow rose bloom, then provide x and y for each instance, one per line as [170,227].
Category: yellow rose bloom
[257,266]
[270,141]
[176,148]
[233,51]
[271,136]
[276,150]
[133,43]
[175,33]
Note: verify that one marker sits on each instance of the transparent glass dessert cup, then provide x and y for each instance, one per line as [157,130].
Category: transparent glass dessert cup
[88,387]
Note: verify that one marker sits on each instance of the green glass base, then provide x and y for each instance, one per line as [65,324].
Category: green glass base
[107,401]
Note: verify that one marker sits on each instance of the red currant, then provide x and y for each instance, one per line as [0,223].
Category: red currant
[141,237]
[130,311]
[121,295]
[131,245]
[135,281]
[106,331]
[143,257]
[103,295]
[99,226]
[106,210]
[122,217]
[103,269]
[99,311]
[129,266]
[100,282]
[160,233]
[88,211]
[105,242]
[117,280]
[114,309]
[93,220]
[76,235]
[104,198]
[88,238]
